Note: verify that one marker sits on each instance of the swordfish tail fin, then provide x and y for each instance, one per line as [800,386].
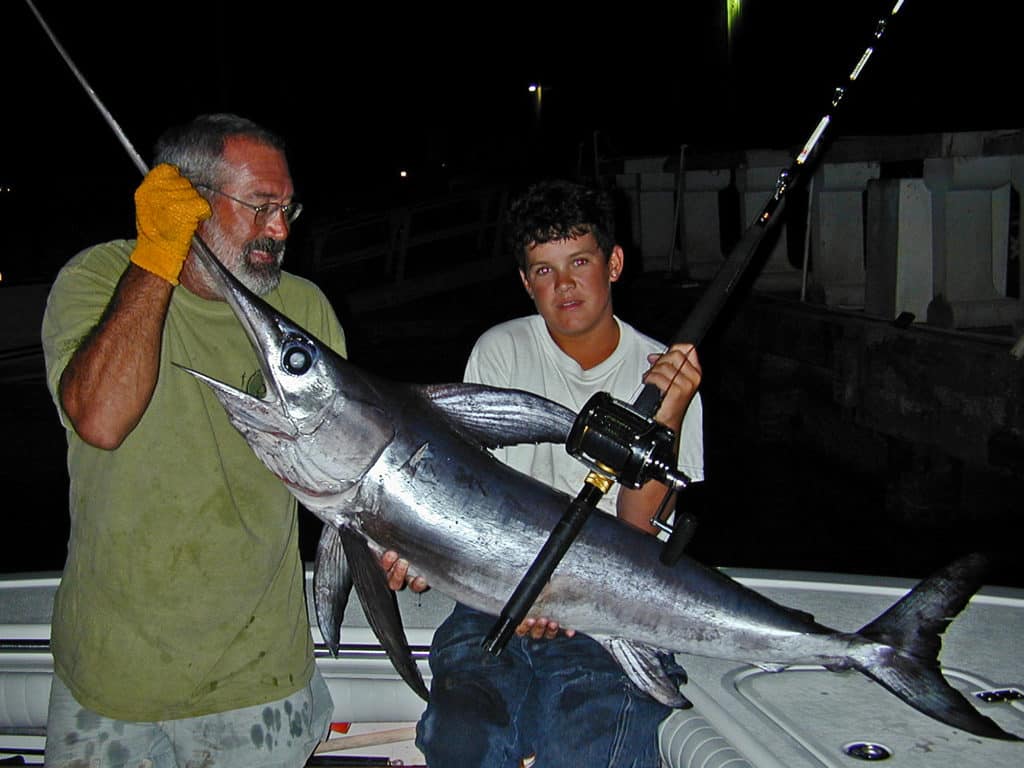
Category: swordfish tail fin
[908,664]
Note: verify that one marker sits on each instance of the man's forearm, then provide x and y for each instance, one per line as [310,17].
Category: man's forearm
[110,379]
[638,505]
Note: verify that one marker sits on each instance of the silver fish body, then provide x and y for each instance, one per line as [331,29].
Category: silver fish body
[388,466]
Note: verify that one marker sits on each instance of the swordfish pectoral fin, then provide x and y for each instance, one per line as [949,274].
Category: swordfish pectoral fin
[496,417]
[642,665]
[332,584]
[381,608]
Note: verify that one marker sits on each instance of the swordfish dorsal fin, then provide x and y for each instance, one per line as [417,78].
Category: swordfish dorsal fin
[496,417]
[381,608]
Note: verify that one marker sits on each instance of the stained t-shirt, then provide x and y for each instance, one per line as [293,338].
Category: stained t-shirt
[183,590]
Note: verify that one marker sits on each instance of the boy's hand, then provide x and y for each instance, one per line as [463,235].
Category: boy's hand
[397,571]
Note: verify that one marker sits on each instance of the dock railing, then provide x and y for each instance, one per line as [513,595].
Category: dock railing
[411,251]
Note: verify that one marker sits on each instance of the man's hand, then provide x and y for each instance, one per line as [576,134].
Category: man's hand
[167,211]
[397,570]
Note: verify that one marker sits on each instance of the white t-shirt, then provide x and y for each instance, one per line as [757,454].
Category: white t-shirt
[520,354]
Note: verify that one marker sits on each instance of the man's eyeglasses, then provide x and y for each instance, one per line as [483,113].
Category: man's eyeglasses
[262,213]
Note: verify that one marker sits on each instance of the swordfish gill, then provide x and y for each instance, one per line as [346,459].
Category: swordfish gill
[391,466]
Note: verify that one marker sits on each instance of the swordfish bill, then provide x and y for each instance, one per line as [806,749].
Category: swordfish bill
[393,466]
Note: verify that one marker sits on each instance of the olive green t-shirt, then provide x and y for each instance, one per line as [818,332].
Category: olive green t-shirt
[183,590]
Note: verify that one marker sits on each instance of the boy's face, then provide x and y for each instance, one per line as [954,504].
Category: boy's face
[570,283]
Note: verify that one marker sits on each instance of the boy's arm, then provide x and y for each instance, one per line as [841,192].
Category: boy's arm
[676,374]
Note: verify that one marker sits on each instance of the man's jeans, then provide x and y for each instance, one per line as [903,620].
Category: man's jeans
[564,700]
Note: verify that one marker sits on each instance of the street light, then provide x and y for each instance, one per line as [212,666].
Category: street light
[538,89]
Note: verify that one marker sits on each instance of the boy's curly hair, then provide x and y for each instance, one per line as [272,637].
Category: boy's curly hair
[557,210]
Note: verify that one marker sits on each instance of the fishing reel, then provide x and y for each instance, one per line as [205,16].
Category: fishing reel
[622,444]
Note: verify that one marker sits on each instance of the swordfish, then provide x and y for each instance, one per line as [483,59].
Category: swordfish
[393,466]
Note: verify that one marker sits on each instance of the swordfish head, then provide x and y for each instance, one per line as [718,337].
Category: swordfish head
[320,424]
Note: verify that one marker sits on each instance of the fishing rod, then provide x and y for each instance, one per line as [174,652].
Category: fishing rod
[136,158]
[622,442]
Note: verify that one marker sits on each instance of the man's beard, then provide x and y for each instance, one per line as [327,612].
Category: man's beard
[260,278]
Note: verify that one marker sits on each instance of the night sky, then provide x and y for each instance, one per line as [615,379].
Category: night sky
[363,93]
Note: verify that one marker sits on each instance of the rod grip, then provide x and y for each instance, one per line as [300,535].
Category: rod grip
[648,400]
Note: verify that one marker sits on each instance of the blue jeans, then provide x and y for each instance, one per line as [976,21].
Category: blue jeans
[566,700]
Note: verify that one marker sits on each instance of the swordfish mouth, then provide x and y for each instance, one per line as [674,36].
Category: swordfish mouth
[273,438]
[301,376]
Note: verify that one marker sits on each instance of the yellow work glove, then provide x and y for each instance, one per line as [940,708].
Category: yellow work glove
[167,211]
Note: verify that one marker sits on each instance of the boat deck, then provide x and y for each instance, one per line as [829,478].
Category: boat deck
[743,717]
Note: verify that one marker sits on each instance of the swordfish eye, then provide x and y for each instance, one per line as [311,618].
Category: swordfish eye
[297,355]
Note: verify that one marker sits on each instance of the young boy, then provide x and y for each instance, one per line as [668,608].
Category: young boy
[558,696]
